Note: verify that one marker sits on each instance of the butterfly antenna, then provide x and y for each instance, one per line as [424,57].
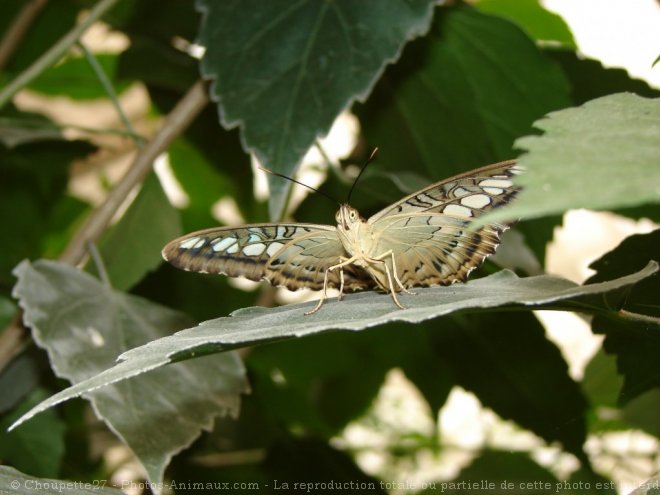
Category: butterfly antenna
[277,174]
[369,160]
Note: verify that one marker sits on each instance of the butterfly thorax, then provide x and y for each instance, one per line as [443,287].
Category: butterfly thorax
[355,234]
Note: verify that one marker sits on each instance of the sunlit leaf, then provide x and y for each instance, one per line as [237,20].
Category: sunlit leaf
[601,155]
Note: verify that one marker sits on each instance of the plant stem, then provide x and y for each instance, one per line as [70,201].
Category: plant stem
[17,29]
[55,52]
[175,123]
[13,337]
[110,91]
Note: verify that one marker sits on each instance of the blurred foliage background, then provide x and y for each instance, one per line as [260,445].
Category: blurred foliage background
[96,95]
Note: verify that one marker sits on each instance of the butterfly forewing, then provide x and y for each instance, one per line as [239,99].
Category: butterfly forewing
[289,255]
[466,195]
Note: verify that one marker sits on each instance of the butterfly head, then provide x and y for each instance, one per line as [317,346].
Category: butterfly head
[347,217]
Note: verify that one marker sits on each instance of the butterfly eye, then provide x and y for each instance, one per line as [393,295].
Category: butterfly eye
[352,215]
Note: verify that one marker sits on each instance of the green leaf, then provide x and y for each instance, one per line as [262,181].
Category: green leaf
[642,412]
[460,97]
[84,326]
[75,78]
[283,71]
[632,254]
[52,22]
[17,128]
[505,359]
[7,312]
[636,344]
[24,447]
[601,383]
[541,24]
[590,80]
[34,179]
[319,394]
[602,155]
[132,247]
[356,312]
[13,482]
[17,379]
[202,182]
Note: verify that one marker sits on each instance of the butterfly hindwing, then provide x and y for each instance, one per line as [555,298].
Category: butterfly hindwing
[429,232]
[289,255]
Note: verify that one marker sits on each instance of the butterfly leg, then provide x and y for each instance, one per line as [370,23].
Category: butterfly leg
[394,270]
[341,283]
[388,274]
[324,292]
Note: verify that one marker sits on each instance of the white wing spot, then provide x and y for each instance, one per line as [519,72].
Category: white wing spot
[459,192]
[188,243]
[280,231]
[501,183]
[223,244]
[476,201]
[273,248]
[233,249]
[493,191]
[254,249]
[199,243]
[458,211]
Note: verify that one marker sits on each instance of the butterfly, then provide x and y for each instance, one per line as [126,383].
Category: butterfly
[421,240]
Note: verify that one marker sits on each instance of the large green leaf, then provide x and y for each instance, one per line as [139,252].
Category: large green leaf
[635,343]
[506,360]
[601,155]
[357,312]
[84,325]
[284,70]
[460,97]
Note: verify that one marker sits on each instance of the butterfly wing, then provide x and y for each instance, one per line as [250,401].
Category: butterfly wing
[429,231]
[289,255]
[465,195]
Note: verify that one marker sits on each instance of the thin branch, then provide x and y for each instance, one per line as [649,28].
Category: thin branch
[17,29]
[54,53]
[40,125]
[110,91]
[176,122]
[629,315]
[11,339]
[98,264]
